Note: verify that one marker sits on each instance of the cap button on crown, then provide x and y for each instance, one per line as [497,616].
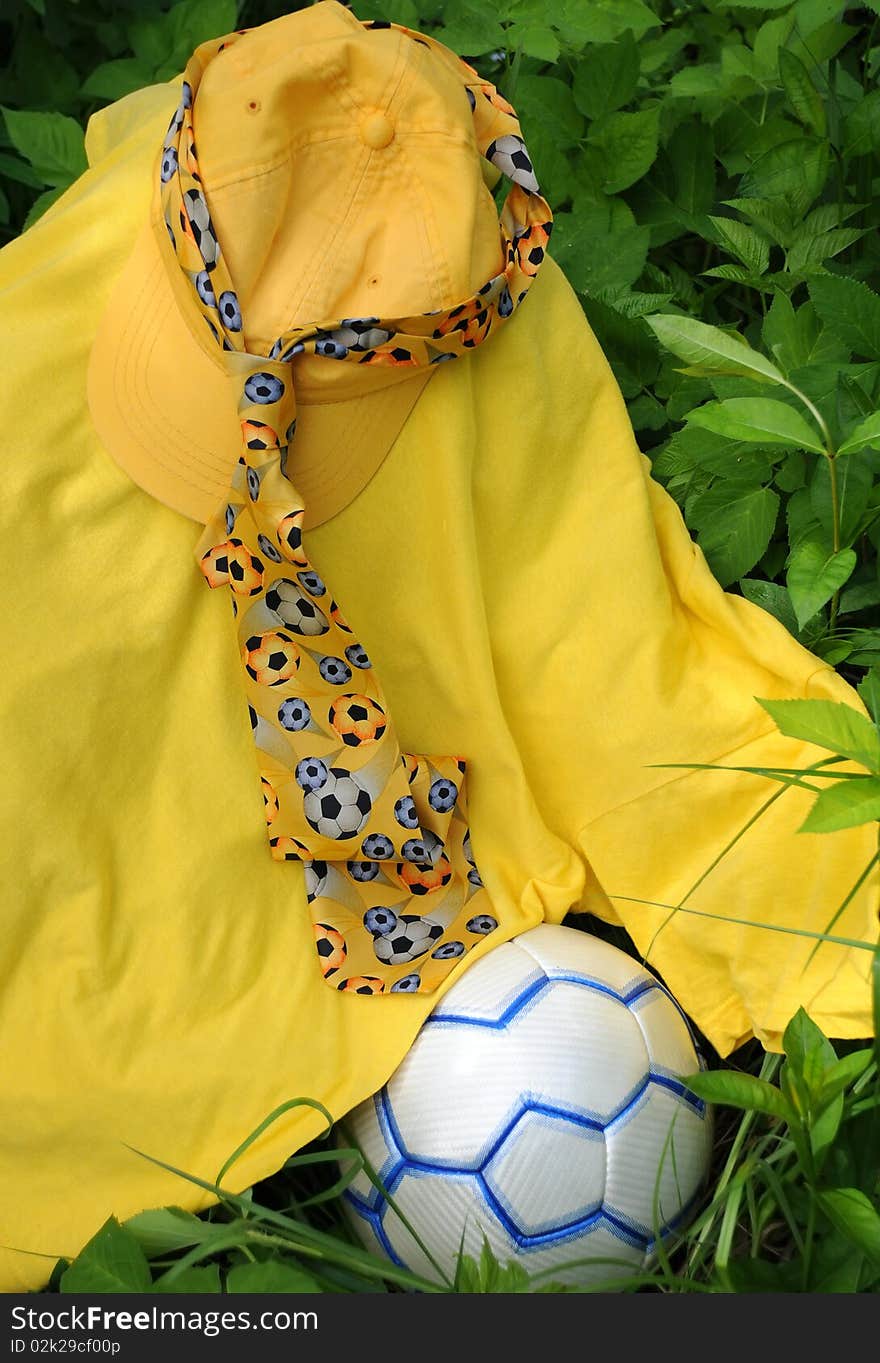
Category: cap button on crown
[377,131]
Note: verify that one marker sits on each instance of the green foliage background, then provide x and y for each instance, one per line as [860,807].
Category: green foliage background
[715,161]
[713,171]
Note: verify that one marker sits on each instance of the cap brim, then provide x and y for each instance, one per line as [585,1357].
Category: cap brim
[162,405]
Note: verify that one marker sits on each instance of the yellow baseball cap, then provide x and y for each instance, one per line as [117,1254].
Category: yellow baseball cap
[343,179]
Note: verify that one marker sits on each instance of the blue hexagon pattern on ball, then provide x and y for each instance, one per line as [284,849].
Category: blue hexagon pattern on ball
[542,1107]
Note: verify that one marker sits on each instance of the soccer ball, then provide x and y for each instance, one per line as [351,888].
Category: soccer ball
[340,807]
[400,938]
[542,1106]
[357,719]
[295,611]
[509,154]
[271,658]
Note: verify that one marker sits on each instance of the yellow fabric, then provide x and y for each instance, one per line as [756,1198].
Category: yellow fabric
[158,986]
[284,120]
[395,895]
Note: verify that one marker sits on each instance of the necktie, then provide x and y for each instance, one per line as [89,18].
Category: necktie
[394,892]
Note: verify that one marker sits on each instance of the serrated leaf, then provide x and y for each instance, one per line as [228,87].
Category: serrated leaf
[606,76]
[53,143]
[797,337]
[628,144]
[861,127]
[737,274]
[773,216]
[814,575]
[112,1261]
[599,247]
[632,303]
[802,94]
[851,310]
[847,804]
[809,250]
[743,241]
[829,724]
[270,1275]
[759,421]
[41,205]
[733,527]
[771,597]
[712,350]
[795,171]
[867,432]
[693,81]
[691,153]
[604,21]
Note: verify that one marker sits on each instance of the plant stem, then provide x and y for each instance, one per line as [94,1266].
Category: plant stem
[831,455]
[835,528]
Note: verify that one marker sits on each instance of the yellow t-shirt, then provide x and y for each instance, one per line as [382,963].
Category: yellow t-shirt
[532,601]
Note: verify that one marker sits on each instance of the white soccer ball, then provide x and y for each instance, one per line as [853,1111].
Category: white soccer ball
[297,612]
[542,1107]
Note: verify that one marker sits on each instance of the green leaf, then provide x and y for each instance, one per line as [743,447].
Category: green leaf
[843,1073]
[603,21]
[691,153]
[113,79]
[860,596]
[737,274]
[19,171]
[808,250]
[547,101]
[743,1091]
[846,804]
[534,41]
[488,1275]
[112,1261]
[851,310]
[41,205]
[798,338]
[743,241]
[606,76]
[829,724]
[53,143]
[867,432]
[760,421]
[861,127]
[854,1215]
[808,1050]
[794,171]
[198,1278]
[803,96]
[628,144]
[854,482]
[814,575]
[271,1275]
[869,690]
[771,597]
[711,350]
[165,1229]
[599,246]
[733,527]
